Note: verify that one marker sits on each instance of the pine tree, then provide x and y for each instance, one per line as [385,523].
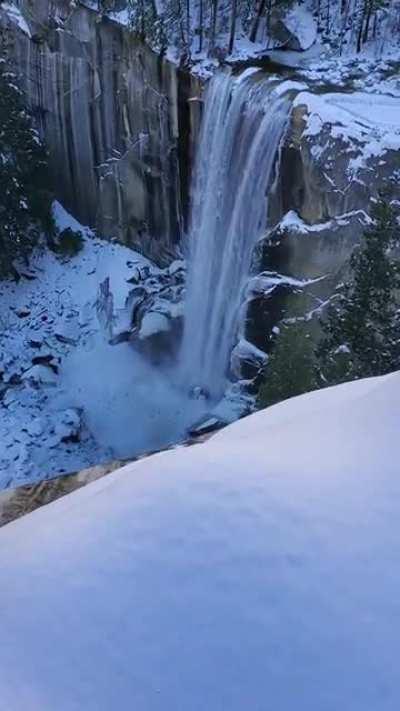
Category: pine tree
[290,369]
[362,327]
[25,201]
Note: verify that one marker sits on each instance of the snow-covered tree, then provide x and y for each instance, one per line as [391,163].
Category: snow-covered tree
[362,326]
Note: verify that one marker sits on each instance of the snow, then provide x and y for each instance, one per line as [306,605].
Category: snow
[302,26]
[153,323]
[368,123]
[258,570]
[16,17]
[293,222]
[245,352]
[82,378]
[73,390]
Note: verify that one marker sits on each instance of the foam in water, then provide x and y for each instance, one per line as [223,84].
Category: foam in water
[243,124]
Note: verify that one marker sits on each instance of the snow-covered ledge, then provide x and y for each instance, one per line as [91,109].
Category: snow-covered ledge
[258,570]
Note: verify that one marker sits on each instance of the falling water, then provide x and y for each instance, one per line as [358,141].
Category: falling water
[243,124]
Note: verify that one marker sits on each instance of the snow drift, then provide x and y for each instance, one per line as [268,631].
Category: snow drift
[260,570]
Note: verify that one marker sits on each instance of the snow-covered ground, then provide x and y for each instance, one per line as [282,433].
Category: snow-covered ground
[330,50]
[69,399]
[260,570]
[368,123]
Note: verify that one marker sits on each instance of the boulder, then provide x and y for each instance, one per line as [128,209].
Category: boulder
[153,323]
[40,375]
[247,360]
[293,29]
[205,426]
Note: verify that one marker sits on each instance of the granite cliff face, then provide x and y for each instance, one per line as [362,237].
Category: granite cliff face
[340,151]
[117,119]
[121,124]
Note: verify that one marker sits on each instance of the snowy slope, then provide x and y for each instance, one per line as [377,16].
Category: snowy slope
[260,570]
[69,399]
[44,319]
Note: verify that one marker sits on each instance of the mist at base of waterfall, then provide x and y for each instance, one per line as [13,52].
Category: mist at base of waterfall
[129,406]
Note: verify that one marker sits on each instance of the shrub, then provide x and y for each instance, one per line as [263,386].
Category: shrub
[68,243]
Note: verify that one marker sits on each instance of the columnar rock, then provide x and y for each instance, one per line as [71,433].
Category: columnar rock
[116,118]
[340,150]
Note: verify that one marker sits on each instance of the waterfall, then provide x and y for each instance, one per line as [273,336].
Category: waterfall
[243,124]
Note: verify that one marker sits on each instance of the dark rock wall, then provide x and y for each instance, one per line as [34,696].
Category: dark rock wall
[117,120]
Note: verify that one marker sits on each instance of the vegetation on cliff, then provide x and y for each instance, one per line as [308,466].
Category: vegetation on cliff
[209,26]
[360,329]
[25,198]
[362,326]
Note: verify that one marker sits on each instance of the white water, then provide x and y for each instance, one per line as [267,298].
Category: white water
[243,124]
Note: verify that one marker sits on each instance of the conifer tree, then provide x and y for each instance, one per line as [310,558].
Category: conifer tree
[290,370]
[25,201]
[362,327]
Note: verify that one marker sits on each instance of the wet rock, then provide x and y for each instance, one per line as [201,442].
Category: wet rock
[47,360]
[206,426]
[34,343]
[23,312]
[122,337]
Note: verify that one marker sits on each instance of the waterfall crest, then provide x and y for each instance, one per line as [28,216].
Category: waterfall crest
[243,124]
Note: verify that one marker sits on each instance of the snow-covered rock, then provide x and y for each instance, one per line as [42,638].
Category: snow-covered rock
[247,360]
[44,324]
[258,570]
[293,28]
[16,17]
[40,375]
[153,323]
[341,150]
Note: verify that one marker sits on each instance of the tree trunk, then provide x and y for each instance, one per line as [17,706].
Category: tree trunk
[188,23]
[256,21]
[360,29]
[344,25]
[214,17]
[368,21]
[233,27]
[201,19]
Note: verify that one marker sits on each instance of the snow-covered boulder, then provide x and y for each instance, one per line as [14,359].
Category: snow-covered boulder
[247,360]
[40,375]
[259,570]
[294,28]
[153,323]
